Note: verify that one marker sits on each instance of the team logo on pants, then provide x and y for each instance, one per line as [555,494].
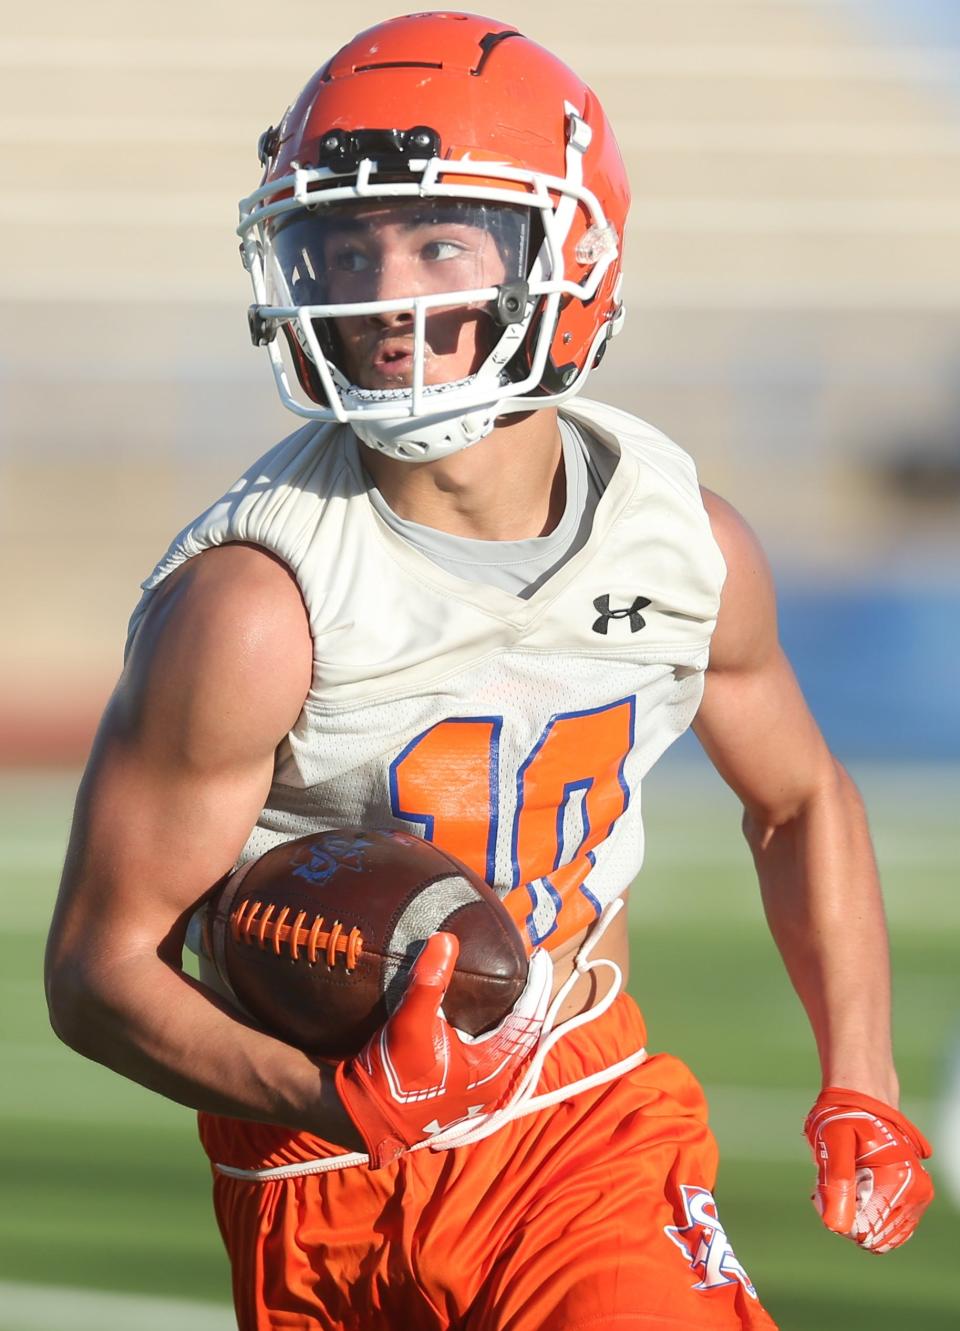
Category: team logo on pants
[704,1243]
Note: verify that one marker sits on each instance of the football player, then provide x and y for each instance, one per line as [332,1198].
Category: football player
[464,602]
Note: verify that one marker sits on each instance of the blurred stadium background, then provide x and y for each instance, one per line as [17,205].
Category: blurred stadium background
[793,287]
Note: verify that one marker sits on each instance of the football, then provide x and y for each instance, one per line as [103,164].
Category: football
[316,937]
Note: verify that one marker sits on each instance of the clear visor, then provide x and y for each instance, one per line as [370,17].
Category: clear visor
[391,250]
[363,269]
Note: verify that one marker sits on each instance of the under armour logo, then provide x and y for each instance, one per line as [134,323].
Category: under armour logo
[632,612]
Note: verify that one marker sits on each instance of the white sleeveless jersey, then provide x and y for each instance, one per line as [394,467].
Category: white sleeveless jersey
[513,732]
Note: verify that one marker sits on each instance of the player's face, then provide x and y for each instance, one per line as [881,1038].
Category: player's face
[395,251]
[398,253]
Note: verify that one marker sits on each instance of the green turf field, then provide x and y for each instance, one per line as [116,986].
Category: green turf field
[105,1188]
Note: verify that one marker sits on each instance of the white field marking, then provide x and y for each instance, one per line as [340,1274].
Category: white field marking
[44,1308]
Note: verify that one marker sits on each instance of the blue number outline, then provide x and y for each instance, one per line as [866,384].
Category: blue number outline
[584,783]
[493,790]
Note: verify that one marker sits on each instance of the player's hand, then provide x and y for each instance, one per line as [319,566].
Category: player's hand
[419,1075]
[871,1186]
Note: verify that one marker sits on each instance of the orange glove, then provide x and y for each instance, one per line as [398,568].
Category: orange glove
[419,1075]
[871,1186]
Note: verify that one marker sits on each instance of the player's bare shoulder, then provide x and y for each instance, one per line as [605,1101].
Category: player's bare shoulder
[227,627]
[746,625]
[216,675]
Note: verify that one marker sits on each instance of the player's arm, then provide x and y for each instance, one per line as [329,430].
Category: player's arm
[804,822]
[807,829]
[180,770]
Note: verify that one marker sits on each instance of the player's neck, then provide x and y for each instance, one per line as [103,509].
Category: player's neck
[508,487]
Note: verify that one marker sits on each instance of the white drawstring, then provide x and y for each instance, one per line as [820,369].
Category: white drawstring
[523,1101]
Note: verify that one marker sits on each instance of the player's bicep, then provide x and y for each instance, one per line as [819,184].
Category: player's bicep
[758,732]
[754,722]
[184,757]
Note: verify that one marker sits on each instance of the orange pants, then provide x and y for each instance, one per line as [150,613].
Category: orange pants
[595,1213]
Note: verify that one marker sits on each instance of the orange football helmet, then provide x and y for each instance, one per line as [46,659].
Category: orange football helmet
[446,116]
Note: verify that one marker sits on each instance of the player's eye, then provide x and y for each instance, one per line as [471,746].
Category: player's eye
[436,250]
[347,259]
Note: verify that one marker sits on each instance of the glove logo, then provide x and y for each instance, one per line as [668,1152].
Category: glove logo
[704,1243]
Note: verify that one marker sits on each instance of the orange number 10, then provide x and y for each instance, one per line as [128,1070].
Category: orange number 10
[570,790]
